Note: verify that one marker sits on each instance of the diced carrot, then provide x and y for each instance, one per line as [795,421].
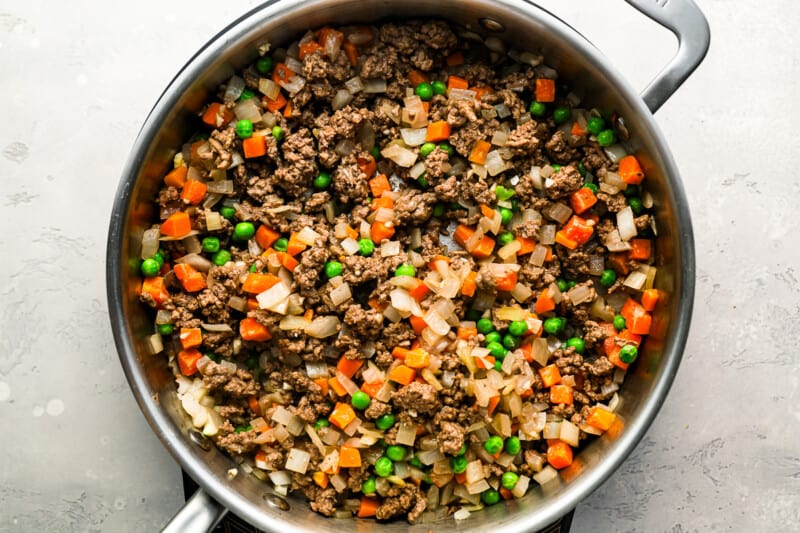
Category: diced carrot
[252,402]
[455,59]
[321,479]
[275,104]
[485,362]
[417,358]
[349,457]
[383,201]
[559,455]
[217,115]
[461,478]
[351,51]
[582,199]
[375,304]
[576,130]
[437,131]
[183,271]
[367,165]
[550,375]
[545,90]
[295,246]
[380,231]
[417,324]
[194,149]
[266,237]
[323,384]
[342,415]
[156,288]
[191,279]
[479,152]
[480,92]
[252,304]
[176,177]
[618,262]
[493,401]
[630,309]
[438,257]
[470,285]
[526,246]
[462,234]
[545,302]
[282,73]
[640,249]
[352,233]
[466,333]
[371,389]
[349,367]
[565,241]
[549,256]
[252,330]
[487,211]
[287,261]
[191,337]
[308,48]
[641,324]
[630,170]
[578,229]
[329,34]
[398,352]
[561,394]
[378,185]
[187,361]
[309,314]
[256,283]
[484,248]
[287,111]
[600,418]
[254,146]
[506,281]
[402,374]
[426,106]
[505,493]
[337,387]
[368,507]
[415,77]
[527,352]
[177,225]
[193,192]
[649,299]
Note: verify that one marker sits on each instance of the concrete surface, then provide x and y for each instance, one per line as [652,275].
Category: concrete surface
[79,77]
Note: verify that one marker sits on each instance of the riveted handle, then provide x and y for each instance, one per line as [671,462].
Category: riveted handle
[687,22]
[198,515]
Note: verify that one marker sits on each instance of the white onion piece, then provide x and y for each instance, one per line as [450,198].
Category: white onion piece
[155,343]
[569,433]
[547,474]
[341,294]
[625,224]
[614,242]
[238,303]
[474,472]
[461,94]
[354,85]
[213,220]
[401,156]
[615,152]
[509,250]
[273,298]
[197,261]
[297,460]
[248,109]
[579,294]
[417,170]
[521,487]
[341,99]
[340,230]
[220,187]
[307,236]
[233,89]
[494,163]
[323,326]
[406,434]
[437,323]
[402,302]
[350,246]
[540,352]
[462,514]
[347,383]
[596,265]
[536,178]
[374,86]
[559,212]
[281,477]
[294,84]
[521,292]
[316,370]
[499,138]
[150,243]
[547,234]
[413,136]
[635,280]
[218,328]
[289,323]
[614,180]
[390,248]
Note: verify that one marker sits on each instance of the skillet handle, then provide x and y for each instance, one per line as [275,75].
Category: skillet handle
[200,514]
[687,22]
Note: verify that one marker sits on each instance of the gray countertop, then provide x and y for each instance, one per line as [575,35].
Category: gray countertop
[79,77]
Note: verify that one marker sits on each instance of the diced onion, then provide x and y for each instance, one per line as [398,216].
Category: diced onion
[437,323]
[390,248]
[307,236]
[341,99]
[615,152]
[474,472]
[547,234]
[273,298]
[348,384]
[213,220]
[220,187]
[294,84]
[150,243]
[238,303]
[401,156]
[217,328]
[462,514]
[413,136]
[248,109]
[350,246]
[494,163]
[155,343]
[635,280]
[233,89]
[197,261]
[461,94]
[559,212]
[547,474]
[625,224]
[406,434]
[509,250]
[596,265]
[479,486]
[341,294]
[569,433]
[281,477]
[580,294]
[499,138]
[354,85]
[614,242]
[289,323]
[322,327]
[374,86]
[521,487]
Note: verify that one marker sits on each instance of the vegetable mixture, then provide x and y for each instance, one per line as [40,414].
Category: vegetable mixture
[401,271]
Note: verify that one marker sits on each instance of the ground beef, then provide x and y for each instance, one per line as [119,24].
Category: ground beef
[563,182]
[307,273]
[450,437]
[236,443]
[420,397]
[559,150]
[414,206]
[600,366]
[325,502]
[523,140]
[300,163]
[349,183]
[364,323]
[613,202]
[377,409]
[407,499]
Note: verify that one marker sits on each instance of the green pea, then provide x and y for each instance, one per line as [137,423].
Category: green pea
[264,65]
[515,205]
[619,322]
[439,87]
[498,365]
[518,328]
[631,190]
[281,245]
[161,257]
[252,362]
[360,400]
[509,480]
[505,238]
[493,336]
[150,268]
[438,210]
[210,244]
[396,453]
[227,211]
[503,193]
[513,445]
[458,464]
[606,138]
[405,270]
[322,181]
[423,181]
[424,90]
[596,125]
[562,284]
[505,215]
[608,277]
[554,325]
[384,467]
[485,326]
[446,148]
[165,329]
[368,487]
[321,423]
[376,153]
[366,247]
[243,231]
[577,343]
[636,205]
[556,167]
[493,444]
[333,269]
[426,149]
[221,257]
[592,187]
[246,95]
[571,283]
[537,109]
[384,422]
[253,267]
[214,357]
[561,114]
[278,133]
[496,349]
[473,314]
[628,353]
[490,497]
[511,342]
[462,450]
[415,462]
[242,429]
[244,129]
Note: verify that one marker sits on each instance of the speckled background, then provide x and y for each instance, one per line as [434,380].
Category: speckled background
[77,79]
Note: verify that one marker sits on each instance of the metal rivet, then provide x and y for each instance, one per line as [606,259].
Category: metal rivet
[200,439]
[277,501]
[492,25]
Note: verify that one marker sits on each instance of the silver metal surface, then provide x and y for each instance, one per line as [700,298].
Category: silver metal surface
[687,22]
[526,27]
[201,513]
